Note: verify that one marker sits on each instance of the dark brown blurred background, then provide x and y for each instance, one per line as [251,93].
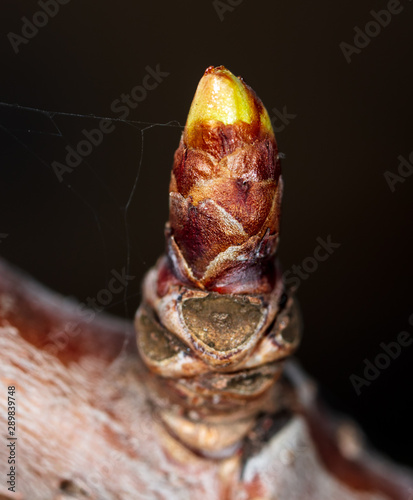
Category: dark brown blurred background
[352,121]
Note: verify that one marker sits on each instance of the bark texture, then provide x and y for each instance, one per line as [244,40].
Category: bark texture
[86,429]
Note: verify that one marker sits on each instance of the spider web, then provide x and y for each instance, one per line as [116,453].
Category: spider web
[52,117]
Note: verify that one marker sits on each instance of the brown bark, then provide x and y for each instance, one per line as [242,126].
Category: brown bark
[86,429]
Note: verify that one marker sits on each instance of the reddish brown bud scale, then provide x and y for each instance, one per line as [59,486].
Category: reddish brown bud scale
[225,190]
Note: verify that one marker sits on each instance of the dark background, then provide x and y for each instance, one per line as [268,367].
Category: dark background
[352,122]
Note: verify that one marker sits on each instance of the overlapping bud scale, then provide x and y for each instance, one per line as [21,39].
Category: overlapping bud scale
[225,190]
